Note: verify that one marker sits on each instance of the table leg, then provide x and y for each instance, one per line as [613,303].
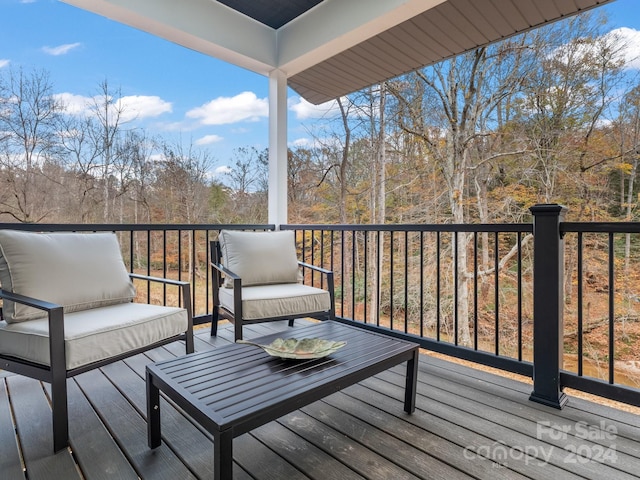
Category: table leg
[153,413]
[412,383]
[223,455]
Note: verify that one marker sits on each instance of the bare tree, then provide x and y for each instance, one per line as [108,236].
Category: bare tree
[247,179]
[445,107]
[182,187]
[108,119]
[82,152]
[629,126]
[29,122]
[566,96]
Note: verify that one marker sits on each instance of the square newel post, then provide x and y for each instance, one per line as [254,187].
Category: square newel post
[548,304]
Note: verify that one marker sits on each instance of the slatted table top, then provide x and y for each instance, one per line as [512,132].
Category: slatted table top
[241,387]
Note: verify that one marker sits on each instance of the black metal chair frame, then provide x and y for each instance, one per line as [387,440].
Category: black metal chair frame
[56,374]
[235,317]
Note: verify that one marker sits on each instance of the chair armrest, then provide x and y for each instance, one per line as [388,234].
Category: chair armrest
[29,301]
[222,269]
[55,316]
[168,281]
[185,287]
[330,284]
[316,268]
[237,288]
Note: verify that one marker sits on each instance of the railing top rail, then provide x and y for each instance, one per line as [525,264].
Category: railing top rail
[452,227]
[565,227]
[104,227]
[600,227]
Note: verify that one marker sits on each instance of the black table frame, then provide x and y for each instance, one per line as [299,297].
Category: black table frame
[233,389]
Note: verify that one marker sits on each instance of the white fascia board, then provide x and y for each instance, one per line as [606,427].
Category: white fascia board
[337,25]
[201,25]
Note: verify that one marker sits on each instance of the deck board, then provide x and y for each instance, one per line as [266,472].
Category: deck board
[94,448]
[9,453]
[33,417]
[463,419]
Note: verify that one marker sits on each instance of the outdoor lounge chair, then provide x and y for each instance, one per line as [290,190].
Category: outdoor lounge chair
[67,307]
[255,277]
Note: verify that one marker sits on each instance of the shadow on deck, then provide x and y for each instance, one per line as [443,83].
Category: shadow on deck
[468,424]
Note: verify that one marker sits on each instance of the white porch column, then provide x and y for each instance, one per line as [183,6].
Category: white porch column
[277,147]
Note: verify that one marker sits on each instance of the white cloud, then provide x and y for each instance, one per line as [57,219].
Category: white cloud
[208,140]
[630,39]
[3,62]
[245,106]
[305,110]
[302,143]
[132,107]
[60,49]
[142,106]
[74,104]
[223,170]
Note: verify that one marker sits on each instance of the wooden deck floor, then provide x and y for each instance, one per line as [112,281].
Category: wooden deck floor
[468,424]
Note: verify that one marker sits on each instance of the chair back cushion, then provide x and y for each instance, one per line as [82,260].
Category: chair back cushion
[260,258]
[76,270]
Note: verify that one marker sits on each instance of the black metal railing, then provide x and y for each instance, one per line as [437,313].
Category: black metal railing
[601,324]
[445,286]
[470,291]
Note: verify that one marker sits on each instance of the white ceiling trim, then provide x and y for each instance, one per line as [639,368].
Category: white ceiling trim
[216,30]
[202,25]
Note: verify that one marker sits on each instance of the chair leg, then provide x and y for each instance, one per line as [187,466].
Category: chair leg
[60,414]
[215,316]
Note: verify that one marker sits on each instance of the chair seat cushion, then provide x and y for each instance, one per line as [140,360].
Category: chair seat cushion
[268,301]
[93,335]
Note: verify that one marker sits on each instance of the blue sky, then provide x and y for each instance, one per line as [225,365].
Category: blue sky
[174,92]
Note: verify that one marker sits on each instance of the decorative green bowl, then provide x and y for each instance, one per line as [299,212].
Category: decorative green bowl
[299,349]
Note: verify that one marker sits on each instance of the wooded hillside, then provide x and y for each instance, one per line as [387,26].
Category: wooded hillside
[550,116]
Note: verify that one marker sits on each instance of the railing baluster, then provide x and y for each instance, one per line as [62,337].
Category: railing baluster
[378,276]
[519,241]
[353,273]
[421,315]
[391,279]
[194,256]
[496,293]
[580,303]
[475,290]
[612,313]
[149,264]
[406,282]
[456,298]
[365,280]
[438,285]
[322,253]
[342,272]
[164,265]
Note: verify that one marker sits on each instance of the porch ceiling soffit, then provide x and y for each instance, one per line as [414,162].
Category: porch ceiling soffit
[336,47]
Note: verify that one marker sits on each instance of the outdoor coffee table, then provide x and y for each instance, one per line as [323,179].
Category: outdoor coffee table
[233,389]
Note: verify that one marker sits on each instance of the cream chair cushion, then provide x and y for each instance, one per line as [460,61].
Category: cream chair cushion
[260,258]
[268,301]
[97,334]
[77,271]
